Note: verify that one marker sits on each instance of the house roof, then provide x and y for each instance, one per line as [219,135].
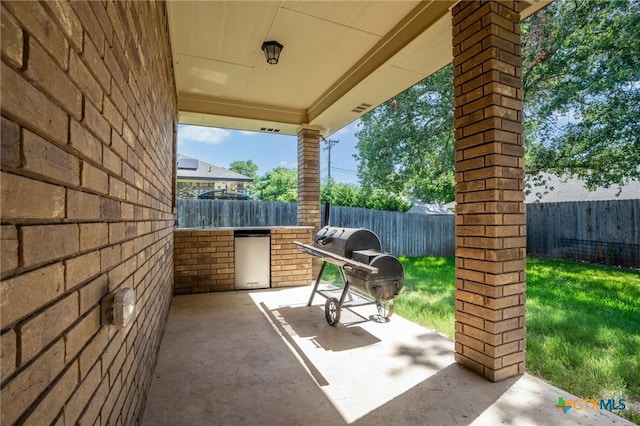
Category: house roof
[340,59]
[422,208]
[558,189]
[192,168]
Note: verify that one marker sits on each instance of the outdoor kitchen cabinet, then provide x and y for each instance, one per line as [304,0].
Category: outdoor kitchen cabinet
[205,258]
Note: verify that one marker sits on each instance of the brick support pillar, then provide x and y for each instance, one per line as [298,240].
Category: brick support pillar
[309,182]
[309,177]
[490,211]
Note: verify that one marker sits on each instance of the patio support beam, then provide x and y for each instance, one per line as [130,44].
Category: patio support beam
[490,211]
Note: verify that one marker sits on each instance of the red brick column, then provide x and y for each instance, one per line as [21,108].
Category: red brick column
[309,182]
[490,212]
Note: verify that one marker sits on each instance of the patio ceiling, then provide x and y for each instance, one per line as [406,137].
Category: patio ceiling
[340,59]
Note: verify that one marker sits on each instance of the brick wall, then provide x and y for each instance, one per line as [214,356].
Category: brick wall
[204,259]
[88,120]
[289,267]
[490,211]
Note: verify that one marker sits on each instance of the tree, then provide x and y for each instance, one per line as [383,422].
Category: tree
[249,169]
[342,194]
[406,145]
[280,184]
[339,194]
[581,74]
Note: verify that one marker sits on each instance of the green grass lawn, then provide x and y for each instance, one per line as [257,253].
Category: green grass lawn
[583,321]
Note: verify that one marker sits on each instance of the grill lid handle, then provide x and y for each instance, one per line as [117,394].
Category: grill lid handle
[326,239]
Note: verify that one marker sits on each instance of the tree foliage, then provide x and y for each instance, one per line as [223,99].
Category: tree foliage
[581,74]
[406,144]
[249,169]
[342,194]
[280,184]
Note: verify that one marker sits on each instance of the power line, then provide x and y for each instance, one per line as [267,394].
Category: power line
[343,168]
[353,172]
[330,144]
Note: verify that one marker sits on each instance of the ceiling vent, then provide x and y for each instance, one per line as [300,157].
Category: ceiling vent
[269,130]
[361,108]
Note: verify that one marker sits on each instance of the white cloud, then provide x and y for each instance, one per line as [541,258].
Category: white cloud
[292,165]
[208,135]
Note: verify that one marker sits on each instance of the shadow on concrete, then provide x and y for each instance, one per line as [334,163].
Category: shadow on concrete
[342,338]
[452,396]
[430,356]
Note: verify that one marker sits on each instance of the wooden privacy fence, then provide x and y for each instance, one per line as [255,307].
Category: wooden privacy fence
[400,233]
[235,213]
[595,231]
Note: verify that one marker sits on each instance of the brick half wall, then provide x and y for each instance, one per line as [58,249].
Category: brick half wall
[205,259]
[289,267]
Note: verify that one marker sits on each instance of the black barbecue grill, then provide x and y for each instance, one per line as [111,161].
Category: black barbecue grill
[363,267]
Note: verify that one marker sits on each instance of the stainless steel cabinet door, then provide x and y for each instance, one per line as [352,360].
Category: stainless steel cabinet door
[253,262]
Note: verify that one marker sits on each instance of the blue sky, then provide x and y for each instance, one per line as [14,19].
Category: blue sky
[222,146]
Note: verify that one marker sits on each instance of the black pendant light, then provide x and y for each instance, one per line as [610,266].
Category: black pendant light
[272,51]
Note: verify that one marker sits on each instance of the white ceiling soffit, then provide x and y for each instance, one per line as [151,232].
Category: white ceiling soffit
[340,59]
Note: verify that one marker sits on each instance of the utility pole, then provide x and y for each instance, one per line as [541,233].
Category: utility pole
[330,144]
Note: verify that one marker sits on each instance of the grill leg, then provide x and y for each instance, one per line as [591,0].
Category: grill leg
[346,283]
[315,287]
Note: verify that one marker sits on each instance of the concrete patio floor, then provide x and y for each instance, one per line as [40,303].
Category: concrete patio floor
[265,358]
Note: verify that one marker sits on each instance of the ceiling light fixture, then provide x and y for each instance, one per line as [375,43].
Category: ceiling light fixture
[272,51]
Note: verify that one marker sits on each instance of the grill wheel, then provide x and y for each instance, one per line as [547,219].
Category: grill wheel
[385,308]
[332,311]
